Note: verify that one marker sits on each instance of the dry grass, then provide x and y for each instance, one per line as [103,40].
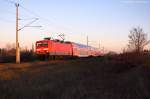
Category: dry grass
[93,78]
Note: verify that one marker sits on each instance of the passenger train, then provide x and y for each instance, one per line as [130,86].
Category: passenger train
[61,48]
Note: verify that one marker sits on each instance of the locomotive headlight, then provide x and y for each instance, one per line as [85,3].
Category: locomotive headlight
[38,49]
[45,48]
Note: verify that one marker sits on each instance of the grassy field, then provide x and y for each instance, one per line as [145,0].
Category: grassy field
[89,78]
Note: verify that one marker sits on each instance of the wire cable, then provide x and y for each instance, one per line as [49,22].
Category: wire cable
[50,23]
[10,1]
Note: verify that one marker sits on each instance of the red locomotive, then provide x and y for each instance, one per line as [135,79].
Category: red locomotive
[61,48]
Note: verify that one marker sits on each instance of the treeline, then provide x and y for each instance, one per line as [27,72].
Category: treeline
[8,54]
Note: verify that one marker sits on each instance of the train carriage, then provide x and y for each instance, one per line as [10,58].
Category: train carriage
[80,50]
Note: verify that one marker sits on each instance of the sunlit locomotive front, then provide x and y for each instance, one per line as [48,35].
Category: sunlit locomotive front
[42,47]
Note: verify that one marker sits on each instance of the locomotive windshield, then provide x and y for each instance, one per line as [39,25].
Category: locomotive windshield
[42,44]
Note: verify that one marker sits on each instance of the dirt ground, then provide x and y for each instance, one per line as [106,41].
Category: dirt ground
[90,78]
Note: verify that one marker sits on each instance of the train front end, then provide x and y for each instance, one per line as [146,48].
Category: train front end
[42,47]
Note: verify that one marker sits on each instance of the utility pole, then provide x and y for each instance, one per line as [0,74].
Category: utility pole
[87,41]
[99,45]
[32,48]
[103,50]
[18,29]
[17,42]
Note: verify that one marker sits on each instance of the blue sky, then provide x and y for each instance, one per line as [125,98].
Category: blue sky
[104,21]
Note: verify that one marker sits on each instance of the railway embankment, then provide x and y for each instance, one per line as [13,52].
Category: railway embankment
[86,78]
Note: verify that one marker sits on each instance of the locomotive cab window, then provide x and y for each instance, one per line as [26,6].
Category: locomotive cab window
[42,44]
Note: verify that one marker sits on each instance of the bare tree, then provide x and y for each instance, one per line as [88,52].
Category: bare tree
[10,46]
[10,49]
[138,39]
